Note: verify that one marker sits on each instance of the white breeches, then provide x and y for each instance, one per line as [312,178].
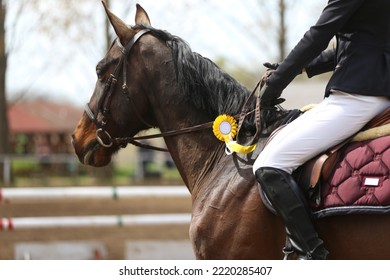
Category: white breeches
[333,120]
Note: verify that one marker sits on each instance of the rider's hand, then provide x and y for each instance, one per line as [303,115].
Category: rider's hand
[272,66]
[269,95]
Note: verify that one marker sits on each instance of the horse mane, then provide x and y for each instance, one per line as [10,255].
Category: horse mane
[208,87]
[211,89]
[201,81]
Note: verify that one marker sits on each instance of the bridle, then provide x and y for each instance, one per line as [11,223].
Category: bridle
[109,87]
[105,102]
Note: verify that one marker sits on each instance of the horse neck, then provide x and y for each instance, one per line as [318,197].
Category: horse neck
[196,153]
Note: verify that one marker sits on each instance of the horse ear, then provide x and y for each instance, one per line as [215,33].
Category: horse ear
[141,17]
[122,30]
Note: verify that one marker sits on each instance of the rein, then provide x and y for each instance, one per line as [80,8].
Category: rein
[123,141]
[105,101]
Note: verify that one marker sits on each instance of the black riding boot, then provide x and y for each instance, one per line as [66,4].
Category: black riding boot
[284,194]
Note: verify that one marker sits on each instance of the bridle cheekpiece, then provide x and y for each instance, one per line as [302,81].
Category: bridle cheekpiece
[109,87]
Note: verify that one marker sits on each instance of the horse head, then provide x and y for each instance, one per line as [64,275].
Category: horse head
[119,105]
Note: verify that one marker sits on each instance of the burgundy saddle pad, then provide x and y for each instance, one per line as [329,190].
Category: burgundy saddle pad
[359,182]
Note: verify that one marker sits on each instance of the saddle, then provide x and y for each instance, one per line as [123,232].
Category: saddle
[321,166]
[352,177]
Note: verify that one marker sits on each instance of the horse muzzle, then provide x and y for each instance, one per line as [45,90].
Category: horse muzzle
[93,153]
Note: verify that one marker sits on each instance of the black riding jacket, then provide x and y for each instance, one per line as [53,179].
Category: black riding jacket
[361,59]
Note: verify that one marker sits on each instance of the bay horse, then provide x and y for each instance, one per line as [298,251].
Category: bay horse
[150,78]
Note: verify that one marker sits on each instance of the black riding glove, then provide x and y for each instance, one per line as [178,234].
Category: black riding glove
[269,95]
[272,66]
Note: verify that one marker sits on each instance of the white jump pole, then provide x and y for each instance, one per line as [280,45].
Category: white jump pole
[94,221]
[92,192]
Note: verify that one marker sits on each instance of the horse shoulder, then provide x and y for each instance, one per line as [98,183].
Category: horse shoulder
[229,220]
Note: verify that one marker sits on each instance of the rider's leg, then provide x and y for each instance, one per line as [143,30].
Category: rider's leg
[329,123]
[284,195]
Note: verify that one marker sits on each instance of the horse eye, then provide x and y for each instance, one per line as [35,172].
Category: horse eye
[99,74]
[103,67]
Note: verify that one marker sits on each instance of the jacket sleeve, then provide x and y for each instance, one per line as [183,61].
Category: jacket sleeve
[314,41]
[323,63]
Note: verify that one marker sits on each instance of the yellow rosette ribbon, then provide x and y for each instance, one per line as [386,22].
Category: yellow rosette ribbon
[225,129]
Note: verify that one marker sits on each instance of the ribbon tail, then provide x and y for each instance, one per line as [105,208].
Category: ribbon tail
[235,147]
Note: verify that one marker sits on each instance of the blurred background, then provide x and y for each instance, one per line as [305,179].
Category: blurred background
[48,53]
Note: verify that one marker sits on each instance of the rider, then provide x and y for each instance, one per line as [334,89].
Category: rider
[358,90]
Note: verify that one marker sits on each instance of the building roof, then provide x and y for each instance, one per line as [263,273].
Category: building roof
[41,116]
